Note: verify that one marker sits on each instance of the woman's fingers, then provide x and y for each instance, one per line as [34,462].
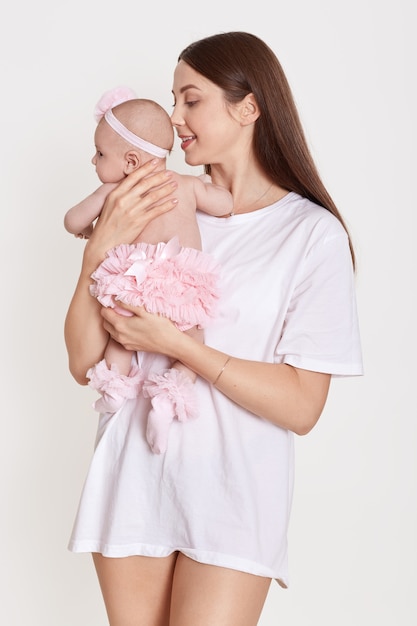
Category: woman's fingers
[130,207]
[141,331]
[133,205]
[139,196]
[135,310]
[138,175]
[115,324]
[139,184]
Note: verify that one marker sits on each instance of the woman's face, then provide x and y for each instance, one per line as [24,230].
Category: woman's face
[206,124]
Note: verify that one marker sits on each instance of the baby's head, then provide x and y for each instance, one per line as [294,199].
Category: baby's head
[128,134]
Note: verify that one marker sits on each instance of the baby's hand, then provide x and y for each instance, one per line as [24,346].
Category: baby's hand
[205,178]
[86,233]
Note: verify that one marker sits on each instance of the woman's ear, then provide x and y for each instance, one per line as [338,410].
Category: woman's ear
[132,162]
[248,110]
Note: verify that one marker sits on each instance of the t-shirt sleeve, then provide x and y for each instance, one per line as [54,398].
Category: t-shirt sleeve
[321,331]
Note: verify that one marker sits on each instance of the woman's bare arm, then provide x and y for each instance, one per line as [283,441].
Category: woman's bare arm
[85,337]
[127,211]
[289,397]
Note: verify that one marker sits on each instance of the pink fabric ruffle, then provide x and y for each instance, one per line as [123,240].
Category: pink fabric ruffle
[172,397]
[114,387]
[178,388]
[112,98]
[179,283]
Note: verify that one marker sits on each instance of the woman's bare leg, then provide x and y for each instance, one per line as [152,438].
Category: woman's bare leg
[136,589]
[207,595]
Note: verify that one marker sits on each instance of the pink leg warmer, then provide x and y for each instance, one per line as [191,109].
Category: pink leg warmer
[115,388]
[172,396]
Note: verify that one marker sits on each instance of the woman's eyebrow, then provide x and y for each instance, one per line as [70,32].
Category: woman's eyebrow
[190,86]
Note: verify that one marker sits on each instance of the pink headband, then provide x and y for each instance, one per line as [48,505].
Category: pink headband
[104,108]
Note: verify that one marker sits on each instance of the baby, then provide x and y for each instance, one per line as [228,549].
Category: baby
[164,270]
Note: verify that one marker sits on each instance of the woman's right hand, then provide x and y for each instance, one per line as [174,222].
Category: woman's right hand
[128,209]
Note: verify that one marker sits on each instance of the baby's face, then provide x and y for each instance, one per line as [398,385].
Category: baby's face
[108,159]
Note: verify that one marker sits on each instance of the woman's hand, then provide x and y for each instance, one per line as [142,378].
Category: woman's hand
[129,208]
[142,331]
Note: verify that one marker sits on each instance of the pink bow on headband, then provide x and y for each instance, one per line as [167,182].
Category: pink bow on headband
[112,98]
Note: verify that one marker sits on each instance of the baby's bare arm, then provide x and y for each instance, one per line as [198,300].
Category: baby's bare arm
[212,199]
[79,219]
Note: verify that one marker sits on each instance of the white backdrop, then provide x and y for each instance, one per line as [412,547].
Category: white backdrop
[352,69]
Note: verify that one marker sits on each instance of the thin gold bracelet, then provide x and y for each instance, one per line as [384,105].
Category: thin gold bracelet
[222,370]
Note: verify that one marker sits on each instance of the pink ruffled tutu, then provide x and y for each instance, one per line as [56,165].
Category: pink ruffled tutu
[179,283]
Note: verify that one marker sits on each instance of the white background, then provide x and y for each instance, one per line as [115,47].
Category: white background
[352,67]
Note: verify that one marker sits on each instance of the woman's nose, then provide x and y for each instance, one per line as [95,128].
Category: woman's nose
[176,119]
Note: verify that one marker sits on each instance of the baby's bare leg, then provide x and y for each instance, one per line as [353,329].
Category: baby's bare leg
[116,354]
[172,397]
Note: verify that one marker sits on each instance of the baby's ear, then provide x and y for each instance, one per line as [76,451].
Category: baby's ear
[132,162]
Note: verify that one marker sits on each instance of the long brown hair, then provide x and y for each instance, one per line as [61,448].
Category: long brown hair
[241,63]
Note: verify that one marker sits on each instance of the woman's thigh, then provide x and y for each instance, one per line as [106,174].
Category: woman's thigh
[207,595]
[136,589]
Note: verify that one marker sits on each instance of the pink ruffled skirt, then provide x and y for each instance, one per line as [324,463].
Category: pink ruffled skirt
[179,283]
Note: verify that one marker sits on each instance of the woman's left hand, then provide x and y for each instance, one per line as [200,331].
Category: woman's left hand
[142,331]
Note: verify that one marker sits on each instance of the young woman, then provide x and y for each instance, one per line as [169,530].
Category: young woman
[195,537]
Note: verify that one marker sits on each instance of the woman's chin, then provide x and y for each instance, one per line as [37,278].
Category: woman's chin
[192,161]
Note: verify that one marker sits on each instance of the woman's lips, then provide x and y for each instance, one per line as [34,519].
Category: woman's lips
[186,141]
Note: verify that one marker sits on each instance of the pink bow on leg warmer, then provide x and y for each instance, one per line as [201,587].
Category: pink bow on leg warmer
[172,396]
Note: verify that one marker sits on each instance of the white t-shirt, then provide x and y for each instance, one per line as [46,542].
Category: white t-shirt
[222,492]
